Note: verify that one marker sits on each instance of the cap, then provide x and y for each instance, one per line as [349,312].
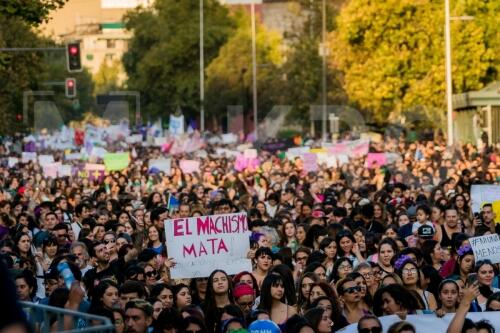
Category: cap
[425,231]
[242,289]
[263,326]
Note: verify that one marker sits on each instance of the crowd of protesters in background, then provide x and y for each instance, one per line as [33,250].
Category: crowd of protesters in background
[338,246]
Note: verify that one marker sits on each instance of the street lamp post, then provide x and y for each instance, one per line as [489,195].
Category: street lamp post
[323,49]
[202,70]
[449,81]
[254,72]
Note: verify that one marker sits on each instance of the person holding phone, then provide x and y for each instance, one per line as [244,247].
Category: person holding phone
[485,272]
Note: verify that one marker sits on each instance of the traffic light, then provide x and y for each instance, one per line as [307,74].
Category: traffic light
[70,87]
[73,57]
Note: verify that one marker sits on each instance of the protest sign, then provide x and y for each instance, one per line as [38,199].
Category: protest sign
[64,170]
[310,162]
[12,161]
[176,125]
[481,194]
[423,322]
[50,169]
[199,244]
[160,164]
[116,161]
[94,172]
[229,138]
[486,247]
[189,166]
[45,159]
[250,153]
[375,160]
[27,156]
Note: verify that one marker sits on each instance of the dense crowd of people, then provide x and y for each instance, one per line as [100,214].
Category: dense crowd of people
[339,246]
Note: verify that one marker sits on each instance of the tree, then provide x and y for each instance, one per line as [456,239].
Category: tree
[391,52]
[303,68]
[163,57]
[107,77]
[229,76]
[33,12]
[26,71]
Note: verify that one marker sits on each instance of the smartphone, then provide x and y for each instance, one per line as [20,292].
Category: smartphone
[472,279]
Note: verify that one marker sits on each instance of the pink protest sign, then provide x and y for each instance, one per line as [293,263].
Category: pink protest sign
[310,162]
[198,244]
[189,166]
[375,159]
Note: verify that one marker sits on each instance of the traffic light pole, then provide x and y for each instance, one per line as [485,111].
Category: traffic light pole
[31,49]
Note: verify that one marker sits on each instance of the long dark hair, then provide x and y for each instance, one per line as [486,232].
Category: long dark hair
[212,315]
[288,282]
[401,296]
[266,300]
[301,301]
[336,316]
[314,316]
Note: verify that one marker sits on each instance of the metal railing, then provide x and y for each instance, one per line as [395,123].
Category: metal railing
[43,317]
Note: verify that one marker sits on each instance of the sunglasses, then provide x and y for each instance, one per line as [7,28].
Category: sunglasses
[151,273]
[375,329]
[352,290]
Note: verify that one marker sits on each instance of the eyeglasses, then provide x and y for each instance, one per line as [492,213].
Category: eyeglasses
[367,275]
[352,290]
[345,267]
[109,241]
[246,304]
[151,273]
[301,259]
[409,270]
[375,329]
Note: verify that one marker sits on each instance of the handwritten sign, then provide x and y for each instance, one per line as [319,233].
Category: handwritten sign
[481,194]
[486,247]
[189,166]
[201,244]
[375,160]
[310,162]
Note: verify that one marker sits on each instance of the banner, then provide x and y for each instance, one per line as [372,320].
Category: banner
[310,162]
[176,125]
[486,247]
[374,160]
[189,166]
[160,165]
[201,244]
[27,157]
[45,159]
[116,161]
[481,194]
[354,148]
[423,322]
[50,169]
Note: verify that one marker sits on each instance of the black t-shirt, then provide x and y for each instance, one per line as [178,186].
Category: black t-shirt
[92,278]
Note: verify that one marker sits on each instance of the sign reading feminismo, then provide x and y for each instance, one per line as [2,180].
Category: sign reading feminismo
[201,244]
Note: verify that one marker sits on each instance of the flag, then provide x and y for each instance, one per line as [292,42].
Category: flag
[173,202]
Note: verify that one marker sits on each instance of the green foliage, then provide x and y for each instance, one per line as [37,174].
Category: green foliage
[304,65]
[108,76]
[392,52]
[33,12]
[229,76]
[163,57]
[27,71]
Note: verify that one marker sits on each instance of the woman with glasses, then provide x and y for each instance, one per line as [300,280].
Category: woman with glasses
[486,272]
[342,267]
[369,324]
[244,297]
[219,294]
[350,296]
[366,271]
[151,275]
[409,273]
[273,300]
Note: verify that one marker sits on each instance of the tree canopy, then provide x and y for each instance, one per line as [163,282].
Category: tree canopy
[163,57]
[392,52]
